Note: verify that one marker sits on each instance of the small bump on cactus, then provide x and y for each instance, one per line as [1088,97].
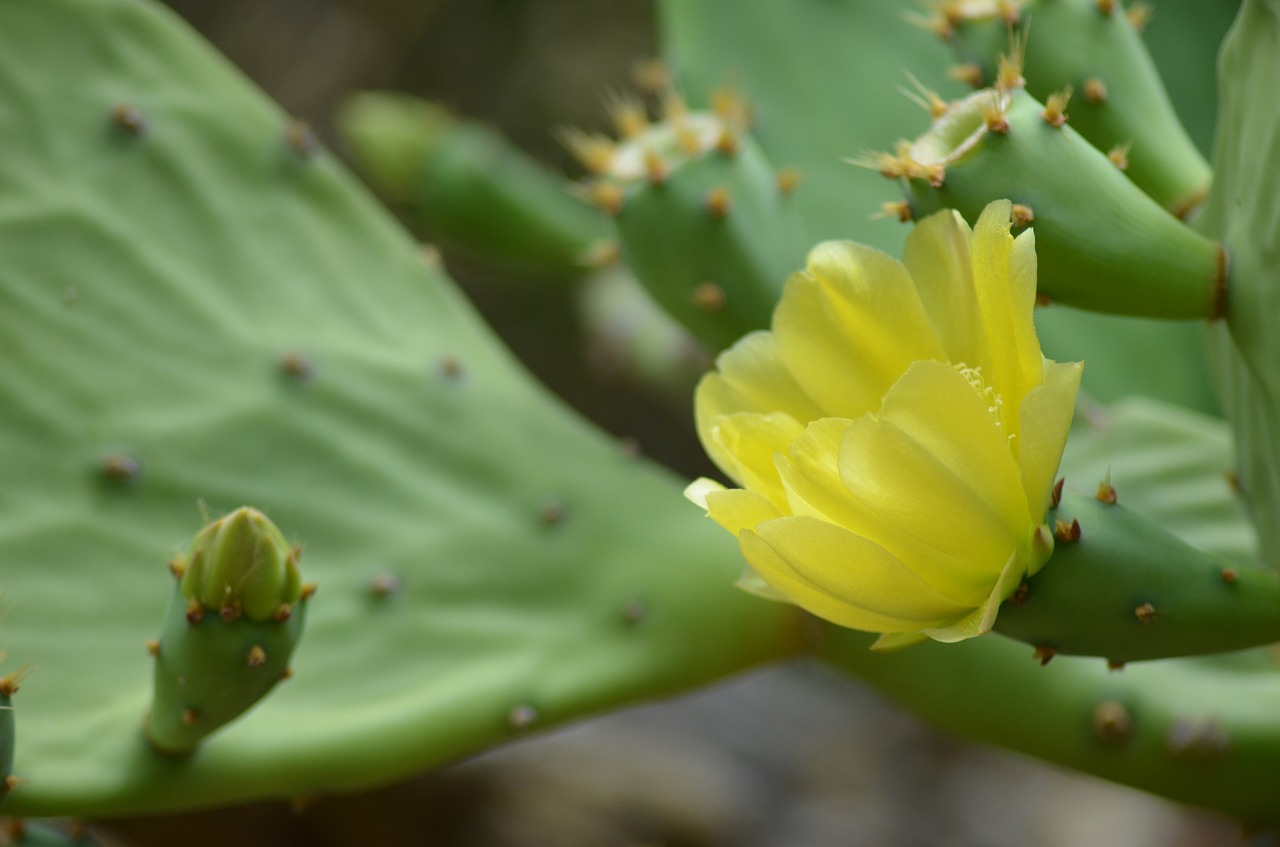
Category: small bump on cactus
[233,623]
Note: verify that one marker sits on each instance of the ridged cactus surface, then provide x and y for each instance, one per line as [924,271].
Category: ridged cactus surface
[198,310]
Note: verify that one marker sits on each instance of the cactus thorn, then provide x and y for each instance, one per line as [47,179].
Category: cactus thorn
[230,612]
[656,169]
[120,467]
[594,151]
[1112,723]
[708,297]
[257,656]
[1019,596]
[1106,492]
[634,612]
[887,165]
[717,202]
[607,196]
[1115,665]
[296,366]
[727,143]
[1043,300]
[924,97]
[153,648]
[1106,7]
[553,514]
[994,115]
[900,209]
[522,717]
[286,674]
[731,107]
[1119,155]
[1055,496]
[1044,654]
[1140,14]
[969,73]
[195,611]
[385,585]
[1095,90]
[308,588]
[939,23]
[628,115]
[450,368]
[130,119]
[651,76]
[10,683]
[1009,73]
[301,139]
[1220,285]
[1065,532]
[177,566]
[1233,481]
[689,140]
[189,717]
[1145,613]
[788,179]
[1021,215]
[1055,107]
[674,109]
[282,613]
[1230,575]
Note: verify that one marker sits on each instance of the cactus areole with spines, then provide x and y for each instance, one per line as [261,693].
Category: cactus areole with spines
[232,625]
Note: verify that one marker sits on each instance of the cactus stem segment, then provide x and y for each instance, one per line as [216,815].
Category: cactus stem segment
[1094,90]
[1065,532]
[1145,613]
[1044,654]
[129,119]
[1112,724]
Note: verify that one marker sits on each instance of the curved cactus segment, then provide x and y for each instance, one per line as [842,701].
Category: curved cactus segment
[1123,588]
[469,187]
[714,240]
[1243,210]
[1102,244]
[1192,730]
[196,313]
[1117,98]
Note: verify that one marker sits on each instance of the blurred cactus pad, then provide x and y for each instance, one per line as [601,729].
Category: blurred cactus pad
[201,310]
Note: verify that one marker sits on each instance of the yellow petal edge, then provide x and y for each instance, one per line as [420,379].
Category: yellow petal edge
[896,433]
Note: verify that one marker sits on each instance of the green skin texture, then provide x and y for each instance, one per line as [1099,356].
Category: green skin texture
[202,251]
[470,188]
[674,244]
[199,254]
[1090,220]
[812,117]
[1070,42]
[204,667]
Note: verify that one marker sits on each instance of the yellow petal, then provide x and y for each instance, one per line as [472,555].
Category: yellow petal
[1004,273]
[935,482]
[736,509]
[849,325]
[750,377]
[844,578]
[743,445]
[1045,420]
[890,642]
[938,257]
[980,621]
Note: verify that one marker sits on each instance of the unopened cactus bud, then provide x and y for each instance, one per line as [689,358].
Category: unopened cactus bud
[234,620]
[241,564]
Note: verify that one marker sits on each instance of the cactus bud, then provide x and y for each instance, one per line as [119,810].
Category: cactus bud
[234,620]
[242,562]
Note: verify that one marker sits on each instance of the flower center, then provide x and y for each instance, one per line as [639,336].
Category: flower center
[995,403]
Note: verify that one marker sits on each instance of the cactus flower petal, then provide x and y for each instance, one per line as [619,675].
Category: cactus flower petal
[896,434]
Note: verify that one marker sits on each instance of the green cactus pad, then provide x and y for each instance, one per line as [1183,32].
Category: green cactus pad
[1118,97]
[198,314]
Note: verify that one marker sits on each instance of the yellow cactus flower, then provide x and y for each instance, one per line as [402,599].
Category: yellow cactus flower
[896,434]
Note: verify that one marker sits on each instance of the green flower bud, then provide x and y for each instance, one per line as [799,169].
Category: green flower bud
[241,564]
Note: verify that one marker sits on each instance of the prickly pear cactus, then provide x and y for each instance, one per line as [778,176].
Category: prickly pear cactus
[201,309]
